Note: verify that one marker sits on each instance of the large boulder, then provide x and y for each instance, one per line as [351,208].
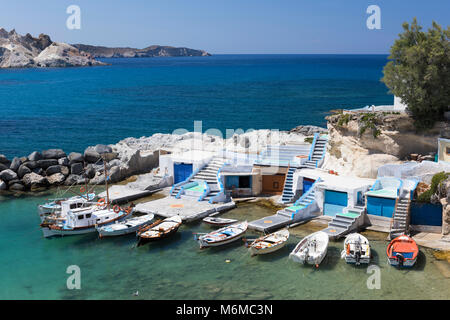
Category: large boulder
[35,156]
[76,168]
[89,171]
[3,185]
[7,175]
[15,164]
[74,179]
[33,180]
[17,187]
[44,164]
[31,164]
[65,170]
[101,149]
[52,170]
[4,160]
[53,154]
[75,157]
[63,161]
[91,156]
[3,167]
[56,179]
[23,170]
[114,174]
[38,171]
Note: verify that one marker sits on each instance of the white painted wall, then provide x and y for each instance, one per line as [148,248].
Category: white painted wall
[198,159]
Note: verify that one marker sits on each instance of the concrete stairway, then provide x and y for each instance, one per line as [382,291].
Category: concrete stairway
[319,150]
[288,191]
[345,222]
[208,174]
[304,201]
[400,220]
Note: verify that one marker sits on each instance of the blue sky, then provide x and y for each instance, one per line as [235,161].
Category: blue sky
[226,26]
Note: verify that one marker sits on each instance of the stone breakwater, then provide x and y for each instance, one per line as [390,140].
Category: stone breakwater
[53,167]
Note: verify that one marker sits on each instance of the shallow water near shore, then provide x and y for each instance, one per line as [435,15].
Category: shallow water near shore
[32,267]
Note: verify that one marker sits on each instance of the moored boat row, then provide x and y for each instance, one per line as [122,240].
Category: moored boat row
[79,215]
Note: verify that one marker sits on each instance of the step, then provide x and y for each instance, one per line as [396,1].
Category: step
[338,224]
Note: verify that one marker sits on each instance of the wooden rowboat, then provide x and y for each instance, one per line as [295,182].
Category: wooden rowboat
[269,243]
[219,222]
[223,236]
[159,230]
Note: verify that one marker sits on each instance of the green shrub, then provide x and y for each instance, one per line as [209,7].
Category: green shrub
[435,181]
[309,139]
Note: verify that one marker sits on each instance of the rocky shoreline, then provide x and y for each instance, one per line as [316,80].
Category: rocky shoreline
[131,156]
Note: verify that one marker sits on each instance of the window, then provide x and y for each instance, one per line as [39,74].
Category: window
[88,215]
[81,217]
[447,150]
[73,206]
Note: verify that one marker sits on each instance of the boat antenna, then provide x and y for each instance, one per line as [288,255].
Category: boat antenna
[106,182]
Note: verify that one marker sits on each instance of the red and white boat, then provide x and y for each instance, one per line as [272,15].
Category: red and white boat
[402,251]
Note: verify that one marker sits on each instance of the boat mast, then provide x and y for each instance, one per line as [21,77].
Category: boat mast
[106,181]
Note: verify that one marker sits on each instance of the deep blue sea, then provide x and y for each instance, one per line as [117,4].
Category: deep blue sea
[73,108]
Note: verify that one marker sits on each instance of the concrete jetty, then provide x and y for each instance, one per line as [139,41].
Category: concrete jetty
[189,210]
[145,185]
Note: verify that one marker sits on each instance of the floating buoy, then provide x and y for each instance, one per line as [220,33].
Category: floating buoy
[228,261]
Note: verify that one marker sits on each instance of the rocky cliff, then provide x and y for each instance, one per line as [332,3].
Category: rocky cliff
[18,51]
[151,51]
[359,143]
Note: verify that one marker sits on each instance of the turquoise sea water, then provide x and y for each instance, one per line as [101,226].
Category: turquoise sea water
[32,267]
[73,108]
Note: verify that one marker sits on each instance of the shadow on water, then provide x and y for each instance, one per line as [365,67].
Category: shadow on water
[224,248]
[282,253]
[331,260]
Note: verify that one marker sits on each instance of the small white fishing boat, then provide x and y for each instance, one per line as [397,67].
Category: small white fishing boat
[219,222]
[85,220]
[269,243]
[312,249]
[223,236]
[130,225]
[159,230]
[60,207]
[356,249]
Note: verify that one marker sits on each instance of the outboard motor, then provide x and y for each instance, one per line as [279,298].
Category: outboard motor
[400,259]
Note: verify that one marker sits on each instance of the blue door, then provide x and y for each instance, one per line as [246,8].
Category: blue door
[380,206]
[307,183]
[181,171]
[335,202]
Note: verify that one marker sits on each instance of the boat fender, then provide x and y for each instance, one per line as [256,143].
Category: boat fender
[347,247]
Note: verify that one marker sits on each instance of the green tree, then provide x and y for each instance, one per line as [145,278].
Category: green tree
[419,72]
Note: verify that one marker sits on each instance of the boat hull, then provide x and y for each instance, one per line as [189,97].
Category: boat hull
[50,232]
[271,249]
[406,264]
[205,244]
[144,240]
